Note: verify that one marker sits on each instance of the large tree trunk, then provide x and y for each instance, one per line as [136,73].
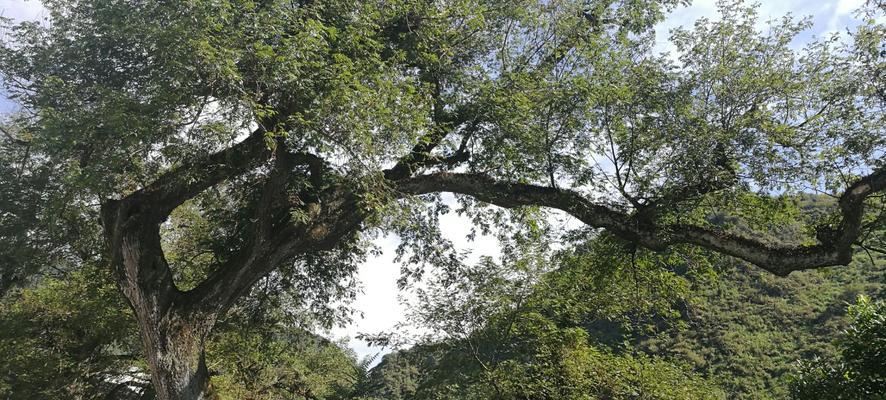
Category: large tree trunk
[173,324]
[174,351]
[172,332]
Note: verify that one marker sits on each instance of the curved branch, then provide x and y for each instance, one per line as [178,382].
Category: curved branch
[182,183]
[328,223]
[778,259]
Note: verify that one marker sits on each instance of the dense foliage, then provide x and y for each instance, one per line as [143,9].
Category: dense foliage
[709,327]
[65,338]
[75,338]
[587,328]
[858,371]
[225,163]
[746,350]
[747,331]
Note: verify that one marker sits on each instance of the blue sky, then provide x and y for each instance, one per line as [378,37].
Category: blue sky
[379,302]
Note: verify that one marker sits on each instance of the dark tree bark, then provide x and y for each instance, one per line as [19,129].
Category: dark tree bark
[173,325]
[175,353]
[172,334]
[836,249]
[172,329]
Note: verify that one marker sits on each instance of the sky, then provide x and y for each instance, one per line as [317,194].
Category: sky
[379,303]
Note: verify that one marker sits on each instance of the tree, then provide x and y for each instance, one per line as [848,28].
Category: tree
[858,374]
[299,128]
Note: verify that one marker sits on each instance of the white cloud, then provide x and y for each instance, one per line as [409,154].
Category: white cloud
[379,303]
[22,10]
[848,6]
[827,17]
[684,16]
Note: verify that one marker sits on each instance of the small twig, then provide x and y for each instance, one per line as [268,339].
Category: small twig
[12,138]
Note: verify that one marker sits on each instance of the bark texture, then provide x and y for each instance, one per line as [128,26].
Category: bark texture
[172,334]
[173,324]
[176,357]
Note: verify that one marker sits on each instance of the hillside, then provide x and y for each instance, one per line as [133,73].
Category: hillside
[748,329]
[735,329]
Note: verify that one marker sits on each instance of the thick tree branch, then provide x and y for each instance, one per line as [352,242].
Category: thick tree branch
[778,259]
[418,156]
[178,185]
[329,217]
[226,281]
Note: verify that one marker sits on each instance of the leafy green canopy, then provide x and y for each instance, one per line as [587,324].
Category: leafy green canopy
[64,339]
[341,107]
[563,94]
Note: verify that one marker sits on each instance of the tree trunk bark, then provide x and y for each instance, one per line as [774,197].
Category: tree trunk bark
[175,354]
[172,334]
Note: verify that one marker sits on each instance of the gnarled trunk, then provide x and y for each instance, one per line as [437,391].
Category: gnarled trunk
[174,324]
[172,337]
[172,333]
[174,351]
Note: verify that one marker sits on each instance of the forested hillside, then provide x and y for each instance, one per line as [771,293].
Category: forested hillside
[749,330]
[741,335]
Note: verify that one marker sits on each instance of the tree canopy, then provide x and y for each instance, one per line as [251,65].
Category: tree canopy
[198,148]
